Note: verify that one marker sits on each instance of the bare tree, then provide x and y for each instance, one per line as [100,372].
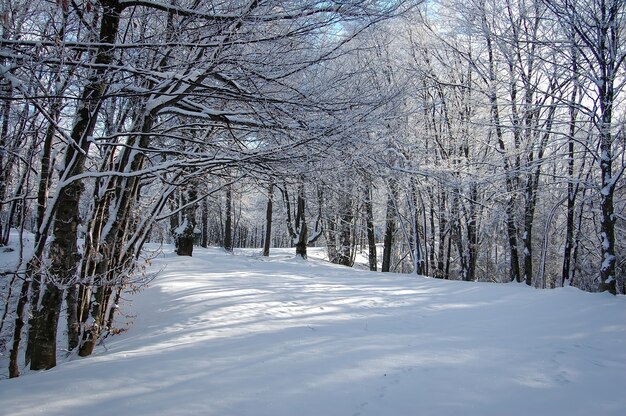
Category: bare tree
[597,29]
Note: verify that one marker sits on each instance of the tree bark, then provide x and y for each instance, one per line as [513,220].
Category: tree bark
[228,221]
[73,323]
[390,226]
[267,243]
[14,369]
[472,234]
[301,225]
[204,240]
[185,239]
[418,253]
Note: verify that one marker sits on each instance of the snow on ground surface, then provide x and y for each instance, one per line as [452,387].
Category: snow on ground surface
[241,335]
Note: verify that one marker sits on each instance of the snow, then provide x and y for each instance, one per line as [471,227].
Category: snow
[217,334]
[14,254]
[181,228]
[608,259]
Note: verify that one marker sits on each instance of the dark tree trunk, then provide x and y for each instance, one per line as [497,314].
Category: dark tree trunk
[184,247]
[73,323]
[268,221]
[296,224]
[204,240]
[185,239]
[607,223]
[4,165]
[301,226]
[607,218]
[331,239]
[64,258]
[572,190]
[528,234]
[472,234]
[14,369]
[228,222]
[44,350]
[91,335]
[416,247]
[515,275]
[390,227]
[6,90]
[302,241]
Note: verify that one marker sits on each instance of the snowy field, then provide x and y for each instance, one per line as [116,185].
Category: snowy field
[242,335]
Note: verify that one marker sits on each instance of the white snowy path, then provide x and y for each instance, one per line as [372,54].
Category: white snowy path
[240,335]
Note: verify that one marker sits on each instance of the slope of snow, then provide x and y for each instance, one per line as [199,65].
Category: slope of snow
[239,335]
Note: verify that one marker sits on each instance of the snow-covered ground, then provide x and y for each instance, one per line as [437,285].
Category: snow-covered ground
[241,335]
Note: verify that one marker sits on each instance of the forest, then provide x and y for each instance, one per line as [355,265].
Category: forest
[477,140]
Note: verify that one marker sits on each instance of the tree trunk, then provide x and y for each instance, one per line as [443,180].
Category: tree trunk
[302,229]
[73,323]
[14,369]
[302,241]
[43,354]
[331,239]
[418,254]
[228,222]
[267,243]
[472,234]
[7,92]
[607,212]
[91,334]
[204,240]
[185,238]
[529,214]
[607,219]
[390,227]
